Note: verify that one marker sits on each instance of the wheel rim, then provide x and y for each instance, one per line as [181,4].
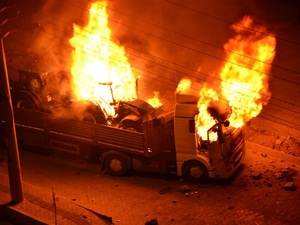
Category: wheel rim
[196,172]
[116,165]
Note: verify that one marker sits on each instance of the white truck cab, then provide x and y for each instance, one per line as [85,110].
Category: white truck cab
[198,159]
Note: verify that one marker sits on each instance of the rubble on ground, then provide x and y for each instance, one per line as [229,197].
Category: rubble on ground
[286,144]
[263,175]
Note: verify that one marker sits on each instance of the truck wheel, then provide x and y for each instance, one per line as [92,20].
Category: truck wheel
[194,171]
[27,101]
[116,164]
[131,125]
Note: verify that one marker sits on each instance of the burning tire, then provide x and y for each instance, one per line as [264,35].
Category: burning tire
[131,125]
[116,164]
[194,171]
[27,100]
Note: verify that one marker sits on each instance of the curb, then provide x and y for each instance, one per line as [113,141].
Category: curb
[37,208]
[16,217]
[269,151]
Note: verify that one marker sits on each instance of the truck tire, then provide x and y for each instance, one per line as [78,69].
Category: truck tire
[116,164]
[194,171]
[27,100]
[131,125]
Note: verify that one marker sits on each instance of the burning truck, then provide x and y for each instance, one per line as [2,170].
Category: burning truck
[166,144]
[201,138]
[141,140]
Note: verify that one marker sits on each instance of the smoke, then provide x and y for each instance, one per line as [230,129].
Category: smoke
[51,44]
[160,37]
[164,40]
[279,16]
[167,40]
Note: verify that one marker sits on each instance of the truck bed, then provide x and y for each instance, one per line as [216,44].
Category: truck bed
[100,136]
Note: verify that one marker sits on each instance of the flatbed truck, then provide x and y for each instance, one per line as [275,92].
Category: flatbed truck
[167,144]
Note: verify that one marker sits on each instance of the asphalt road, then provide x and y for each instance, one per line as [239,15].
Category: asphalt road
[256,195]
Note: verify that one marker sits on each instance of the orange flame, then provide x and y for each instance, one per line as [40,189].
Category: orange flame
[155,102]
[244,80]
[184,85]
[204,120]
[99,67]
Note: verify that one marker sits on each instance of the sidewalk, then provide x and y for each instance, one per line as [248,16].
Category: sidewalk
[39,208]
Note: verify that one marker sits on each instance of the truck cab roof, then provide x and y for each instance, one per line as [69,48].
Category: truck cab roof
[186,97]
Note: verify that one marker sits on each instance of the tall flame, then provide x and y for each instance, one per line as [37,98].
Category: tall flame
[99,67]
[244,80]
[155,102]
[244,77]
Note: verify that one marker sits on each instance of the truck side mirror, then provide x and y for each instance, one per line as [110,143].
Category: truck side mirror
[215,129]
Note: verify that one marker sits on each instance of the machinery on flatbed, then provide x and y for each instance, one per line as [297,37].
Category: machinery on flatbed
[166,144]
[49,92]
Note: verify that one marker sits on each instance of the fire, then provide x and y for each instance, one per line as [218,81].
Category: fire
[184,84]
[99,67]
[204,120]
[155,102]
[244,80]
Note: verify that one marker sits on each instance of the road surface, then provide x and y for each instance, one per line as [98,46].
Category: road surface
[256,195]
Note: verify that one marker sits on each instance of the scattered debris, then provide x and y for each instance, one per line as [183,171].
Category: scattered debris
[278,176]
[278,142]
[290,186]
[288,174]
[256,176]
[165,190]
[184,189]
[272,140]
[152,222]
[269,184]
[264,155]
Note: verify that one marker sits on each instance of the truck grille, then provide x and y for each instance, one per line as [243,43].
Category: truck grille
[236,141]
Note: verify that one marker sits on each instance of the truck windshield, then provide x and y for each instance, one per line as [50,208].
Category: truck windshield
[215,133]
